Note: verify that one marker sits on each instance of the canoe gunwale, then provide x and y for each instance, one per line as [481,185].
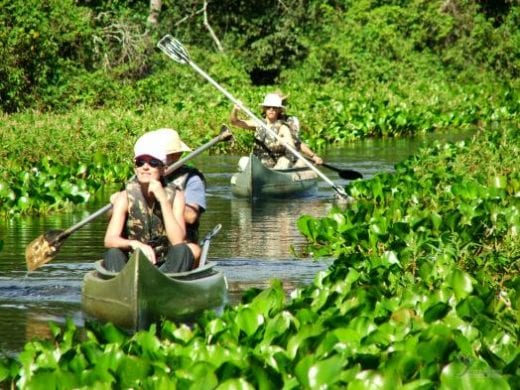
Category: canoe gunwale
[106,274]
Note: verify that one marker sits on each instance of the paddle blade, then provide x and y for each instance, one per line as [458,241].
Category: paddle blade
[173,49]
[42,250]
[349,174]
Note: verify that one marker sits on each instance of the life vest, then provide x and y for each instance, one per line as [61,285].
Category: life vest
[294,125]
[266,145]
[144,223]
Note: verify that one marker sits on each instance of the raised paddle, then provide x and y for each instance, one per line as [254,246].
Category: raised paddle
[174,49]
[44,248]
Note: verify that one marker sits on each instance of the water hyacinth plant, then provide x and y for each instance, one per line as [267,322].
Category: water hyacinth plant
[423,293]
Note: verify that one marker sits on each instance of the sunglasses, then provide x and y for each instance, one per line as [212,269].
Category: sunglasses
[153,162]
[271,108]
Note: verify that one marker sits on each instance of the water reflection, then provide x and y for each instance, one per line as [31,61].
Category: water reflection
[254,246]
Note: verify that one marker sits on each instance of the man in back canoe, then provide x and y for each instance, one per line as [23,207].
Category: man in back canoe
[268,148]
[188,179]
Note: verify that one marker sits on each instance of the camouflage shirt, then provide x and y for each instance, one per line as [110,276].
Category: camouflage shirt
[267,147]
[145,223]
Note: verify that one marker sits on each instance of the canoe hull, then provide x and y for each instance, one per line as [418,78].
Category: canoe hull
[258,181]
[140,294]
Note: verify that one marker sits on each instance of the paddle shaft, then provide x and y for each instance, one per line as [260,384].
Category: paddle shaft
[182,55]
[225,134]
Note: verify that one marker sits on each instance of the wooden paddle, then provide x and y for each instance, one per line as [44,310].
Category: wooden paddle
[174,49]
[44,248]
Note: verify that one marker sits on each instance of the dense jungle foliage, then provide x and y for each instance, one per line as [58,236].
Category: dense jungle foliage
[424,292]
[80,80]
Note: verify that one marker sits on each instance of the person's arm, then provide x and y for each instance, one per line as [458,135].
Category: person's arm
[173,214]
[242,123]
[309,153]
[195,198]
[113,235]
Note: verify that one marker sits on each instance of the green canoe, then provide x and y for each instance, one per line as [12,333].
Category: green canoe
[141,294]
[258,181]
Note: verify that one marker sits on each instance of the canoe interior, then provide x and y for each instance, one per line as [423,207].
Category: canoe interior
[141,294]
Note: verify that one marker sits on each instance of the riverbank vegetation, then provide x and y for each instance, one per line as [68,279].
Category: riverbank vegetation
[424,293]
[81,80]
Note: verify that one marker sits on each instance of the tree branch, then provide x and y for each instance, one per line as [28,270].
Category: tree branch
[211,32]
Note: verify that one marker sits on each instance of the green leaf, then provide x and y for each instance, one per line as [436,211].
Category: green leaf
[149,343]
[498,181]
[461,283]
[248,320]
[296,341]
[319,374]
[112,334]
[133,370]
[235,384]
[468,308]
[436,312]
[477,376]
[277,326]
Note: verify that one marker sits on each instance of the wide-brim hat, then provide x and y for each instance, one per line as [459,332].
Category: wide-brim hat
[146,146]
[272,100]
[170,141]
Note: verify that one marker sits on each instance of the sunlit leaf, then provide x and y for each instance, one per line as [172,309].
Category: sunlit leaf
[132,370]
[461,283]
[277,326]
[457,375]
[248,320]
[498,181]
[235,384]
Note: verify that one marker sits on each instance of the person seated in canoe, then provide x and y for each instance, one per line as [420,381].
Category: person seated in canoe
[188,178]
[267,148]
[149,215]
[294,124]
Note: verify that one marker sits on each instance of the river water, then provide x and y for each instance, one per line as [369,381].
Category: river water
[258,241]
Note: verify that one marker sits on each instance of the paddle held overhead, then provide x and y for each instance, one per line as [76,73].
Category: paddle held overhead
[174,49]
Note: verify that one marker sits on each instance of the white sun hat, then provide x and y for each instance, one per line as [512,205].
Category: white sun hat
[170,141]
[147,145]
[272,100]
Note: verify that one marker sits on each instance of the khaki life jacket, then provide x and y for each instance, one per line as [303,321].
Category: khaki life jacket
[266,145]
[144,223]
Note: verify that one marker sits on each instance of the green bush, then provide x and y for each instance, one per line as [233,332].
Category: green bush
[41,43]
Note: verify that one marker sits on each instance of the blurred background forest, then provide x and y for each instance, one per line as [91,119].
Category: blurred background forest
[58,54]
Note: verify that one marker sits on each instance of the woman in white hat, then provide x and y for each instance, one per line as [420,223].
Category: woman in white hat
[148,215]
[267,147]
